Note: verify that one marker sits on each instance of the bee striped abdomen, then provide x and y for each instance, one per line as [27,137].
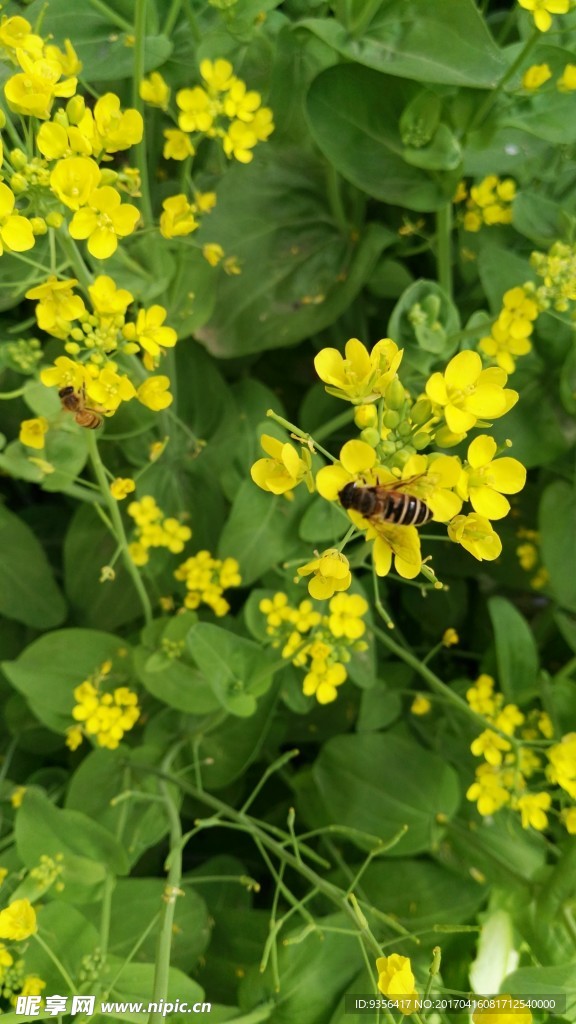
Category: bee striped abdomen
[385,505]
[405,510]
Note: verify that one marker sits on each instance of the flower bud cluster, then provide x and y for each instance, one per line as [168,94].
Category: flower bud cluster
[154,530]
[206,579]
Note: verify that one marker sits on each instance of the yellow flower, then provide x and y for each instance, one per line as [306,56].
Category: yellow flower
[107,299]
[240,102]
[177,218]
[533,807]
[476,535]
[65,373]
[567,80]
[488,790]
[283,470]
[6,958]
[491,745]
[358,376]
[345,618]
[568,817]
[357,460]
[396,980]
[16,232]
[239,141]
[103,221]
[481,696]
[17,796]
[217,74]
[33,985]
[177,145]
[57,305]
[32,432]
[121,487]
[485,479]
[33,92]
[510,1013]
[450,637]
[107,388]
[322,680]
[18,921]
[16,34]
[437,474]
[149,332]
[331,573]
[420,705]
[154,393]
[74,736]
[213,253]
[198,110]
[535,76]
[155,91]
[117,129]
[562,766]
[467,392]
[67,58]
[543,9]
[74,179]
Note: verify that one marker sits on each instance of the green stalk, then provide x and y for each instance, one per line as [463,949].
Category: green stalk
[301,434]
[171,892]
[74,257]
[485,108]
[140,149]
[172,17]
[444,248]
[111,15]
[116,518]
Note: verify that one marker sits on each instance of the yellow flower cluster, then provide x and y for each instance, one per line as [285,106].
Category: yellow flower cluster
[509,761]
[489,202]
[206,579]
[222,109]
[557,268]
[102,716]
[388,455]
[18,921]
[180,217]
[93,336]
[319,644]
[153,530]
[528,554]
[510,333]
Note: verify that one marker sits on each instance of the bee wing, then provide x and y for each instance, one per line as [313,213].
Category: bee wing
[406,544]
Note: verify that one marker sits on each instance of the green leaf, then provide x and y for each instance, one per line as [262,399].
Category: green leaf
[101,777]
[102,46]
[557,521]
[421,894]
[354,116]
[28,592]
[71,938]
[225,753]
[516,651]
[88,851]
[262,530]
[299,270]
[49,669]
[423,321]
[237,669]
[323,521]
[192,292]
[174,682]
[537,982]
[441,42]
[378,783]
[533,423]
[538,218]
[135,983]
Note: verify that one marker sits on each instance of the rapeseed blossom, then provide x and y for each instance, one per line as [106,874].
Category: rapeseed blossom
[18,921]
[331,572]
[396,981]
[206,578]
[542,11]
[466,392]
[154,530]
[283,470]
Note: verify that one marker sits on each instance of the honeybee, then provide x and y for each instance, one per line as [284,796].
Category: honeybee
[75,402]
[384,503]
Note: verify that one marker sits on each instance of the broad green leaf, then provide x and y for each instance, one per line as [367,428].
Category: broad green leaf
[192,293]
[174,682]
[28,592]
[238,670]
[354,114]
[136,902]
[135,984]
[323,521]
[533,424]
[536,982]
[557,519]
[538,218]
[378,783]
[300,271]
[70,936]
[225,753]
[441,42]
[262,530]
[506,854]
[516,651]
[421,894]
[88,851]
[49,669]
[101,777]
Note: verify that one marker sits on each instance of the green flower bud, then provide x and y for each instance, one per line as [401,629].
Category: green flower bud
[420,119]
[18,159]
[365,416]
[404,430]
[18,183]
[387,448]
[395,394]
[54,219]
[109,177]
[391,418]
[75,109]
[39,226]
[421,411]
[421,440]
[371,436]
[61,119]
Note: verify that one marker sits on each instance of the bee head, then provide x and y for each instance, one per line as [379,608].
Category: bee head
[65,392]
[346,495]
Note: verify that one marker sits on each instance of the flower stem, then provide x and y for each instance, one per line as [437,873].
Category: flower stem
[60,967]
[118,525]
[299,434]
[140,149]
[74,257]
[485,108]
[444,248]
[111,15]
[171,892]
